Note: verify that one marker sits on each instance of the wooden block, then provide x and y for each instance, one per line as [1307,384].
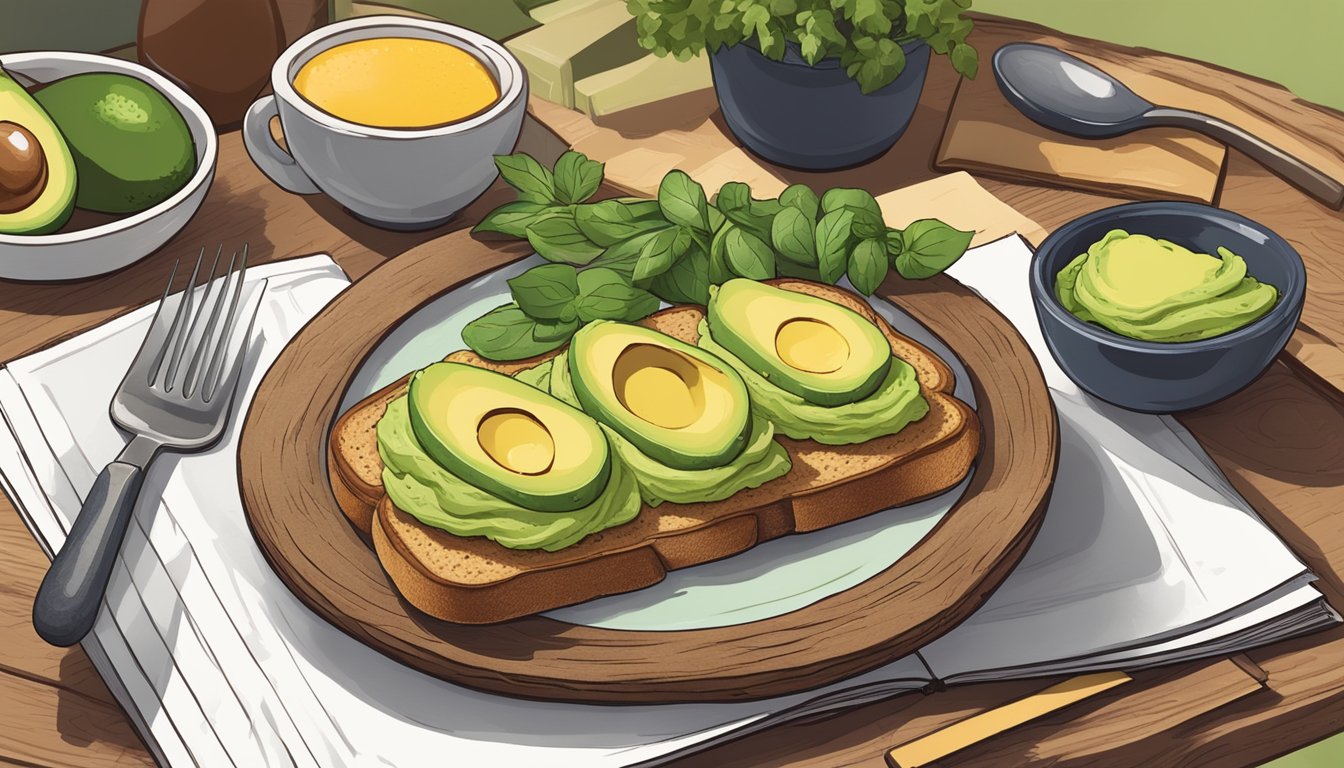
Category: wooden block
[1147,718]
[642,81]
[575,46]
[977,728]
[551,11]
[985,134]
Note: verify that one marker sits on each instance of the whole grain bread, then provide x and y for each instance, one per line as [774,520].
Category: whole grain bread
[474,580]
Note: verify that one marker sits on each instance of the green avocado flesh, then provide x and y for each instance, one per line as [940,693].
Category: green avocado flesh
[818,350]
[761,460]
[37,172]
[438,498]
[1155,290]
[895,403]
[508,438]
[132,149]
[676,403]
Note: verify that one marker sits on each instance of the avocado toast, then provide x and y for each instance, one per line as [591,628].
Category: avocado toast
[472,579]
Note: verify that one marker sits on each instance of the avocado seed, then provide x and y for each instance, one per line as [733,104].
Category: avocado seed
[23,167]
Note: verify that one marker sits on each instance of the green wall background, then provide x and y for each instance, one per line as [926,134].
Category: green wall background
[1296,43]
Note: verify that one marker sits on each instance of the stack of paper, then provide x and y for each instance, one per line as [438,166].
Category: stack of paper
[1146,555]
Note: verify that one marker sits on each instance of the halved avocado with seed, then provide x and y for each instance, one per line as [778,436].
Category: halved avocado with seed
[677,403]
[508,438]
[826,354]
[37,172]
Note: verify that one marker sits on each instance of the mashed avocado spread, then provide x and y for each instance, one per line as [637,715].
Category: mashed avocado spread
[427,491]
[895,404]
[761,460]
[1155,290]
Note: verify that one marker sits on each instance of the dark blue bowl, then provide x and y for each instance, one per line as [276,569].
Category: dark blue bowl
[1166,377]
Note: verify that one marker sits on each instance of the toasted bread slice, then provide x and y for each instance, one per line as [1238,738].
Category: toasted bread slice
[474,580]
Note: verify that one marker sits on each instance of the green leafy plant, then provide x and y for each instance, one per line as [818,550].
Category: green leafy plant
[866,35]
[619,259]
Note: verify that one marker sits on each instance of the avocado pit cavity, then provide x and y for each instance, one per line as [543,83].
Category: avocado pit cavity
[23,167]
[516,441]
[659,386]
[808,344]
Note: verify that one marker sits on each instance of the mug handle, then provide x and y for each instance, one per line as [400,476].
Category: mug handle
[269,156]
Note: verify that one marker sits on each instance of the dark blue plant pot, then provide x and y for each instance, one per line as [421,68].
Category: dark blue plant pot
[813,117]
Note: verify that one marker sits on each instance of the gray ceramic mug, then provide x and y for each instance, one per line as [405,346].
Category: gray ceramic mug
[394,178]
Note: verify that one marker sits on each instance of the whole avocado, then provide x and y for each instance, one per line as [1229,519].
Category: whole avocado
[132,148]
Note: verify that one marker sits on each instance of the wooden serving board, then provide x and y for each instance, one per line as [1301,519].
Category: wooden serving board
[292,512]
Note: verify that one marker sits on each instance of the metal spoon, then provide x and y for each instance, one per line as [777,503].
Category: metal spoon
[1066,94]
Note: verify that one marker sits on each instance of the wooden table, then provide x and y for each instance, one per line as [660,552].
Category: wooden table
[1279,441]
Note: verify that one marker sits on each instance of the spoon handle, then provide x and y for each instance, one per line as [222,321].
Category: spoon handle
[1310,180]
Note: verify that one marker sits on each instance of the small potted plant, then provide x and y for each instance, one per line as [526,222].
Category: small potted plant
[813,84]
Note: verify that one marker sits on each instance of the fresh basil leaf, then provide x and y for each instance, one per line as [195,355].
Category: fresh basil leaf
[895,244]
[716,219]
[787,268]
[687,282]
[718,256]
[733,196]
[514,218]
[605,294]
[576,177]
[558,238]
[868,265]
[765,209]
[543,292]
[506,333]
[610,221]
[867,214]
[682,201]
[965,60]
[535,184]
[554,330]
[833,236]
[661,252]
[748,255]
[801,197]
[793,234]
[623,256]
[930,247]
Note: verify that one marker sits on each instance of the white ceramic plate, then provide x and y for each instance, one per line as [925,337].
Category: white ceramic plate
[107,247]
[771,579]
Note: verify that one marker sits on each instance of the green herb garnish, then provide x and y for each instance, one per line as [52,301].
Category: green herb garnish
[866,35]
[618,259]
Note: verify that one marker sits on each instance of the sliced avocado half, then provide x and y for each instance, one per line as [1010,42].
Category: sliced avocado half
[816,349]
[507,438]
[37,172]
[677,403]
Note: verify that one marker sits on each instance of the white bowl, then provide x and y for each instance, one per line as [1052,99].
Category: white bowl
[107,247]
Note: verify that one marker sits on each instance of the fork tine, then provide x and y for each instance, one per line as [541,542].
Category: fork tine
[215,373]
[192,380]
[180,348]
[182,309]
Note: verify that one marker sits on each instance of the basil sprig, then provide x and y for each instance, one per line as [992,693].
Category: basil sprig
[618,259]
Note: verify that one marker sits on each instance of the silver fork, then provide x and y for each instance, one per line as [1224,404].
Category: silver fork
[175,396]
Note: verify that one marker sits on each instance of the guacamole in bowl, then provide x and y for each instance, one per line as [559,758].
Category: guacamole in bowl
[1156,290]
[1163,306]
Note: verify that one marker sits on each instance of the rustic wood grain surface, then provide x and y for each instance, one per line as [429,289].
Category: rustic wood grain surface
[941,580]
[1277,440]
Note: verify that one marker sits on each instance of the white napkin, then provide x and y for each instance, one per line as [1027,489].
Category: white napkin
[221,665]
